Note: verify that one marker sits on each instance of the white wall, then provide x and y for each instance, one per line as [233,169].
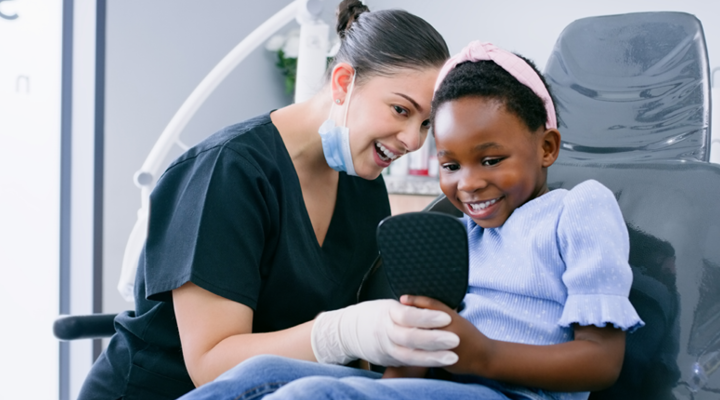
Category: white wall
[30,77]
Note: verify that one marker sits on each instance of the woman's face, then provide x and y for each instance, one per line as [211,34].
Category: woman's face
[388,117]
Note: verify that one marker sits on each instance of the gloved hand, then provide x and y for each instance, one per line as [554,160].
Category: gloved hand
[384,332]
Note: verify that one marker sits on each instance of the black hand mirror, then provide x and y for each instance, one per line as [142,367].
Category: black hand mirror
[423,253]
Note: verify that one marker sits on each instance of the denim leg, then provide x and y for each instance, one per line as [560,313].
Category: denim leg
[261,375]
[357,388]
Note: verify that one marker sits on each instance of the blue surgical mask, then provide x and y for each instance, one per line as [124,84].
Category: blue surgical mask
[336,139]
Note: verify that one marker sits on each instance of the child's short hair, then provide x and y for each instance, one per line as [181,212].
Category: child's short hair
[488,80]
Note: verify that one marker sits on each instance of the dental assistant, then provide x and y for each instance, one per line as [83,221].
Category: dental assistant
[270,222]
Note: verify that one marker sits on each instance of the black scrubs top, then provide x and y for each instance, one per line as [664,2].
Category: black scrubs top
[229,216]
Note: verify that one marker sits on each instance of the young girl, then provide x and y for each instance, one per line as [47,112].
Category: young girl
[547,305]
[546,311]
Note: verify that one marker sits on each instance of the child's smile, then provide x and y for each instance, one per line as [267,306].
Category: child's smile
[490,161]
[482,209]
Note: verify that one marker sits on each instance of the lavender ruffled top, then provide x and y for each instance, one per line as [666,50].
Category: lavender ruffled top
[559,259]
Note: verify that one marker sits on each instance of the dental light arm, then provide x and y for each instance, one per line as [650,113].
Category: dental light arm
[312,58]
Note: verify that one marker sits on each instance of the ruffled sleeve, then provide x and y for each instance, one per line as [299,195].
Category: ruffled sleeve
[594,244]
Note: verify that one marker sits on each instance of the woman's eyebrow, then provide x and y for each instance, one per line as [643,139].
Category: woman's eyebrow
[410,99]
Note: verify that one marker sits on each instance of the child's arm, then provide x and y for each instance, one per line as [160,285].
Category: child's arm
[590,362]
[405,372]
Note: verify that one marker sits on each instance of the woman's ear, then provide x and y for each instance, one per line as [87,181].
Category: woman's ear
[340,79]
[550,143]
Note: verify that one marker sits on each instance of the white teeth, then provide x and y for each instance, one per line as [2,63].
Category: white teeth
[386,152]
[483,205]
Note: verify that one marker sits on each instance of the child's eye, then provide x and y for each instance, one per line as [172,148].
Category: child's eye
[450,167]
[400,110]
[489,162]
[426,124]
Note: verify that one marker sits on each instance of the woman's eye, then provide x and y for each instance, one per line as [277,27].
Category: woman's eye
[426,123]
[450,167]
[488,162]
[400,110]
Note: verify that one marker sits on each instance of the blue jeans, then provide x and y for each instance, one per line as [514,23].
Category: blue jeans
[275,378]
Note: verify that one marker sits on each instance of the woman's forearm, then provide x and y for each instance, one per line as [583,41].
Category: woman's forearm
[216,334]
[293,343]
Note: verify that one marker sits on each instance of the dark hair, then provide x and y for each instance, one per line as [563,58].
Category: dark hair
[489,80]
[380,42]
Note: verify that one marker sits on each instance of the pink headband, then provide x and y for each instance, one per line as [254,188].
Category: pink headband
[516,66]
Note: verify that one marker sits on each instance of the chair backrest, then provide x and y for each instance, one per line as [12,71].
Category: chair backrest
[672,211]
[632,87]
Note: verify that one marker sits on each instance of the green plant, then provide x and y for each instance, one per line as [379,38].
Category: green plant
[286,47]
[288,68]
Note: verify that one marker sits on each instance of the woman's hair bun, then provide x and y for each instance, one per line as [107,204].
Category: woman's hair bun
[347,13]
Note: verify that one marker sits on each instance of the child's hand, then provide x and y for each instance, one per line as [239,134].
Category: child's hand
[405,372]
[592,361]
[475,349]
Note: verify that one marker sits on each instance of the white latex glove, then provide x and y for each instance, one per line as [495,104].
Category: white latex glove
[384,332]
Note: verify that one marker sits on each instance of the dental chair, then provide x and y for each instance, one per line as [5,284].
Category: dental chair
[632,87]
[633,93]
[673,218]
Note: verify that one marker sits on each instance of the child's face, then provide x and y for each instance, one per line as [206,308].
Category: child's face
[490,162]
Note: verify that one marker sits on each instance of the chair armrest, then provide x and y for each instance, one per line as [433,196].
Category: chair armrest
[73,327]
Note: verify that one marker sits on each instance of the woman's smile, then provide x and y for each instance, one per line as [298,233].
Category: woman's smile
[385,154]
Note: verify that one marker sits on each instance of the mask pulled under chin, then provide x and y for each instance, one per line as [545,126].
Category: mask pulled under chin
[336,147]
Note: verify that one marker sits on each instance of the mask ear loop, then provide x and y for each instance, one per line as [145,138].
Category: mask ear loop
[347,103]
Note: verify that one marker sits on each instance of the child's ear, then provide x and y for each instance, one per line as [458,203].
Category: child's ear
[550,143]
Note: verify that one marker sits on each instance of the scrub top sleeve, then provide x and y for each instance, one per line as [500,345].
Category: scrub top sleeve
[210,223]
[594,245]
